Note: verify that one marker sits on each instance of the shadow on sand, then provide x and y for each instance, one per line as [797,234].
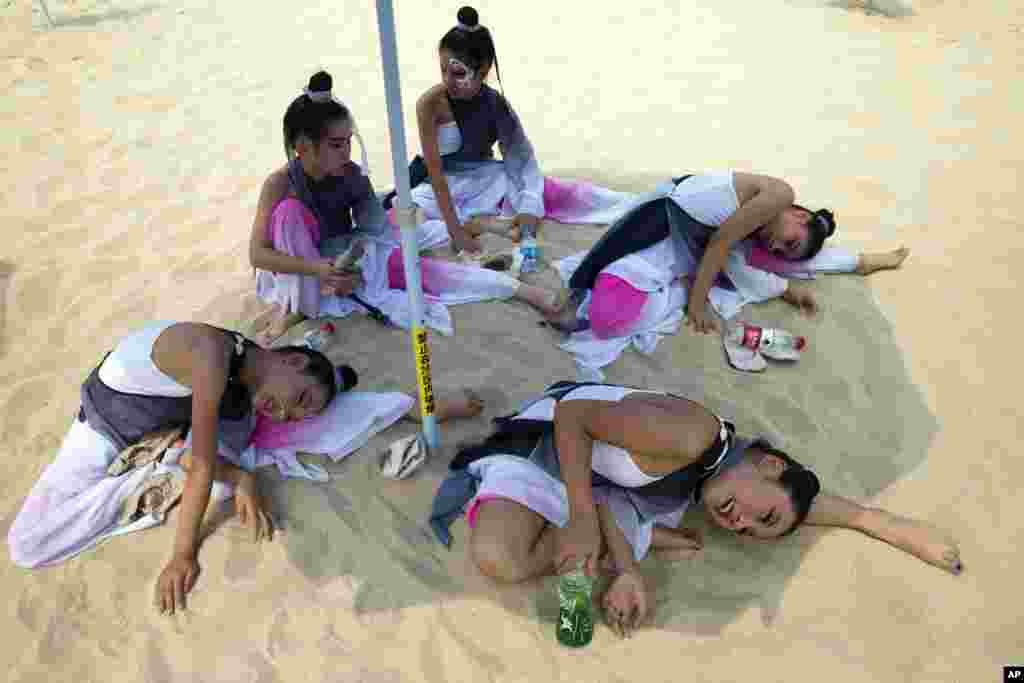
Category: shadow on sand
[857,419]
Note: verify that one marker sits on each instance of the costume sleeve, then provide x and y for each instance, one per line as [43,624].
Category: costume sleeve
[527,183]
[367,212]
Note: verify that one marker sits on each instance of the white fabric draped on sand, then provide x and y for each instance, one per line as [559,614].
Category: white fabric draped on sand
[661,316]
[294,232]
[486,190]
[75,504]
[520,480]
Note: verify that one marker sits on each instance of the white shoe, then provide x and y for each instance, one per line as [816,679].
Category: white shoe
[404,457]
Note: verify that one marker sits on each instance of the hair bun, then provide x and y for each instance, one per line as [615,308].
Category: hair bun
[347,377]
[321,81]
[830,220]
[813,484]
[804,482]
[468,16]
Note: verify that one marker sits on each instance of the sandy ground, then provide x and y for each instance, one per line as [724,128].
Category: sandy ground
[135,138]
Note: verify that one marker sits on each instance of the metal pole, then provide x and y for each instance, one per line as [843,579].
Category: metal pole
[46,13]
[406,217]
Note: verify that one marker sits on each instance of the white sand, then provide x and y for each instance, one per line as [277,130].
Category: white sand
[136,136]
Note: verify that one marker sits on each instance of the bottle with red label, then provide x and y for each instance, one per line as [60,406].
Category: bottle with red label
[771,342]
[320,337]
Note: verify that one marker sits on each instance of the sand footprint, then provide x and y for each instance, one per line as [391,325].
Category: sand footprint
[157,666]
[6,274]
[280,642]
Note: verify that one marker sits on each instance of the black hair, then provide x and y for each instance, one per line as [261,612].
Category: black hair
[474,47]
[320,368]
[800,483]
[820,226]
[306,118]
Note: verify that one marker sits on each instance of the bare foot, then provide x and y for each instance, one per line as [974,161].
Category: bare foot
[455,404]
[451,405]
[673,545]
[928,543]
[551,304]
[263,320]
[500,262]
[676,554]
[869,263]
[497,225]
[560,313]
[273,324]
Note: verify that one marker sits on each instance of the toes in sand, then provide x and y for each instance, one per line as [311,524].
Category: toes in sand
[457,404]
[276,325]
[871,263]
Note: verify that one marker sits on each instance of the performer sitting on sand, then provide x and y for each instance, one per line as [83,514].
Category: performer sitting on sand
[592,471]
[317,205]
[460,121]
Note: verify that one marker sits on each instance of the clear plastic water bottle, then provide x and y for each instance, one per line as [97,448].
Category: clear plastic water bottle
[529,251]
[319,338]
[772,342]
[575,608]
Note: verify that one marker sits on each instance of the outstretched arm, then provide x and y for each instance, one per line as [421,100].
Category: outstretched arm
[917,538]
[208,367]
[521,167]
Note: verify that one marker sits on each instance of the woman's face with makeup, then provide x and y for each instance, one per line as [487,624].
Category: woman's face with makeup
[461,78]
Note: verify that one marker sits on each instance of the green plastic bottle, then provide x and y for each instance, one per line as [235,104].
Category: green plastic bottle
[575,608]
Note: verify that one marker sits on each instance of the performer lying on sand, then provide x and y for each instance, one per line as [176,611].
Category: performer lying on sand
[460,120]
[173,376]
[312,209]
[697,227]
[592,471]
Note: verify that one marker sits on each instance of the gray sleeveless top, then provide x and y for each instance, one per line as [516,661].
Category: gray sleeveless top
[125,418]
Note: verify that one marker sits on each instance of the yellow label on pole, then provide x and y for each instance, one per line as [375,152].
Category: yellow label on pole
[419,344]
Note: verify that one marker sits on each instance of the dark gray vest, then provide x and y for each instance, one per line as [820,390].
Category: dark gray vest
[125,418]
[331,200]
[482,121]
[534,439]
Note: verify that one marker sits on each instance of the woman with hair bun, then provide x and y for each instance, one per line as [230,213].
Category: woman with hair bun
[733,237]
[158,383]
[460,120]
[322,203]
[599,474]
